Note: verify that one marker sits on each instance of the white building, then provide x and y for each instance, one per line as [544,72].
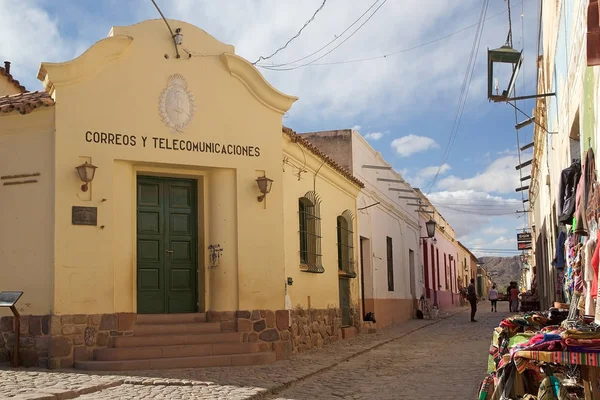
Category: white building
[390,260]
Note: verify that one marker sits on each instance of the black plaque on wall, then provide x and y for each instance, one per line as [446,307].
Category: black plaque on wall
[85,216]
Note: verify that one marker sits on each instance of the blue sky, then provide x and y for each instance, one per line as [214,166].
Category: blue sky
[405,103]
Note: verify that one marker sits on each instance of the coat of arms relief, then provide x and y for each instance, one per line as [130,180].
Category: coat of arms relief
[176,104]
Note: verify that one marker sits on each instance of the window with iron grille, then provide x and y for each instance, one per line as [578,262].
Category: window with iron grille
[310,233]
[390,264]
[345,243]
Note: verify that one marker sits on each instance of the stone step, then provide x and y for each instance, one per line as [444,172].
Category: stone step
[179,362]
[169,340]
[189,350]
[174,329]
[170,318]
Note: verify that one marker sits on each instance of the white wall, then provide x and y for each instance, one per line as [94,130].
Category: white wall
[393,218]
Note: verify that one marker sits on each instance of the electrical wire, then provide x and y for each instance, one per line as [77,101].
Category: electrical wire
[479,212]
[294,37]
[383,56]
[330,51]
[168,26]
[336,37]
[464,92]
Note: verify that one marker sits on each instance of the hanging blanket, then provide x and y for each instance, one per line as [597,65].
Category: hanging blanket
[524,357]
[583,345]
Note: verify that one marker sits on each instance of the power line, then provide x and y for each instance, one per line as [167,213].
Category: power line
[488,213]
[464,91]
[336,37]
[330,51]
[476,202]
[295,36]
[275,66]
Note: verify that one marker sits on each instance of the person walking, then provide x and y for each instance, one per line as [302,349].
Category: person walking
[508,297]
[472,297]
[493,296]
[514,298]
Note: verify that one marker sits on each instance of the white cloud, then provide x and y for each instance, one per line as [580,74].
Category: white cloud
[356,128]
[494,231]
[411,144]
[424,175]
[374,135]
[507,152]
[499,177]
[331,93]
[29,36]
[430,172]
[469,211]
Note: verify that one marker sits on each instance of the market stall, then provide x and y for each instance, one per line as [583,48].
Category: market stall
[544,354]
[529,301]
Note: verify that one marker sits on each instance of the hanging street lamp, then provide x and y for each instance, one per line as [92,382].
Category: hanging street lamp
[503,55]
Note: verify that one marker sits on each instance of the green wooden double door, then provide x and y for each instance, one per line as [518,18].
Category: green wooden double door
[167,250]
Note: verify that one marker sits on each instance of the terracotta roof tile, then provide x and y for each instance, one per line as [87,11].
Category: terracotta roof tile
[328,160]
[24,103]
[12,80]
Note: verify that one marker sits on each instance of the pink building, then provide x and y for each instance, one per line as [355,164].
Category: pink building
[439,259]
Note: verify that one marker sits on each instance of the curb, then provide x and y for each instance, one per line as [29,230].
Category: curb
[278,389]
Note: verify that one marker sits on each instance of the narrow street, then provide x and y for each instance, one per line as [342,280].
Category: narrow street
[443,361]
[421,359]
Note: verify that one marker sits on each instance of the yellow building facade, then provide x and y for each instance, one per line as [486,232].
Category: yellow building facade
[174,229]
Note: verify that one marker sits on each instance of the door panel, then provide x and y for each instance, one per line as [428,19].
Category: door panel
[167,245]
[181,260]
[150,248]
[345,300]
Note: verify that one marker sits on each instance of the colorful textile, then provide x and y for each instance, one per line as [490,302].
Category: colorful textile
[583,345]
[487,387]
[524,357]
[595,262]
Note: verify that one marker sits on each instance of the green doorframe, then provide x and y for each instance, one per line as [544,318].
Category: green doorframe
[167,245]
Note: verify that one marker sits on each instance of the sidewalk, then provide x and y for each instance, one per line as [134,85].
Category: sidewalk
[228,382]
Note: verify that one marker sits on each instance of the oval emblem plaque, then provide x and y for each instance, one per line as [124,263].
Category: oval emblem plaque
[176,104]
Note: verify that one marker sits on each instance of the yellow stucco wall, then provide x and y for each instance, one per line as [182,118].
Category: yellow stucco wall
[114,88]
[337,194]
[7,87]
[27,210]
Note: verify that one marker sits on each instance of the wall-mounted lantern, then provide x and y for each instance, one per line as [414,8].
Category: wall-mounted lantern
[430,226]
[503,55]
[86,173]
[523,258]
[264,185]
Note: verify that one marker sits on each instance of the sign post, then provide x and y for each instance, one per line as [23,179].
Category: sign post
[9,299]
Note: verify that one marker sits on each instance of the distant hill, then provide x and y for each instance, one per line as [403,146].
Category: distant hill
[508,269]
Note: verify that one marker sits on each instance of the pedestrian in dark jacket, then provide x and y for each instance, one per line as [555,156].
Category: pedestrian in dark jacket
[472,297]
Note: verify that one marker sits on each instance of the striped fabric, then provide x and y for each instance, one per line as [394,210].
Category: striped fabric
[524,357]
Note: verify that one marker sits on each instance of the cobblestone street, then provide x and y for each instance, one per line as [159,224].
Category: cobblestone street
[420,359]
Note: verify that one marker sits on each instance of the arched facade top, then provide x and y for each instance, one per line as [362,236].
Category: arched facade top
[256,83]
[90,62]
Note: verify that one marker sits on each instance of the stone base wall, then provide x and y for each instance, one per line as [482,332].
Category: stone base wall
[57,341]
[288,332]
[34,340]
